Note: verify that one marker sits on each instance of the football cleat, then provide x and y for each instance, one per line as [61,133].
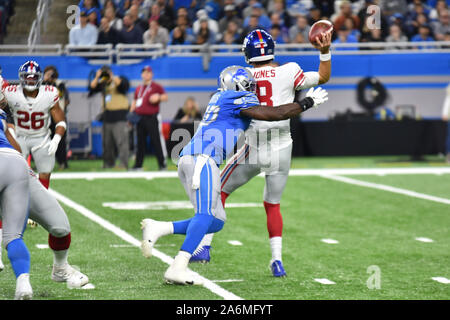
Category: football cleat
[70,275]
[23,288]
[175,275]
[32,223]
[150,234]
[276,266]
[201,255]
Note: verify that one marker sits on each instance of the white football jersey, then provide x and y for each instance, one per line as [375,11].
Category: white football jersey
[276,86]
[31,115]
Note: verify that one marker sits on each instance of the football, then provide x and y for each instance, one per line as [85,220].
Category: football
[318,28]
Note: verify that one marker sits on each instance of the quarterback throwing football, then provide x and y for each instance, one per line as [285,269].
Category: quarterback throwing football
[268,145]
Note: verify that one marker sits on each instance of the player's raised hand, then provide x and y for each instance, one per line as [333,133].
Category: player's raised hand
[323,42]
[318,94]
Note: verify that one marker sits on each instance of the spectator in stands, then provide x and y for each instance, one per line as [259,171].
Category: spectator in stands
[190,111]
[326,7]
[301,26]
[390,7]
[344,36]
[130,33]
[163,20]
[143,8]
[166,15]
[84,33]
[213,8]
[434,12]
[441,27]
[212,24]
[344,13]
[189,5]
[248,8]
[423,35]
[396,35]
[133,13]
[277,7]
[350,24]
[275,32]
[230,14]
[156,34]
[374,35]
[275,19]
[182,33]
[115,108]
[93,10]
[414,25]
[446,117]
[263,19]
[232,33]
[252,25]
[114,22]
[314,15]
[146,103]
[107,33]
[51,77]
[204,35]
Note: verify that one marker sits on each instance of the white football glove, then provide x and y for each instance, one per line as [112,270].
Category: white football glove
[318,94]
[53,146]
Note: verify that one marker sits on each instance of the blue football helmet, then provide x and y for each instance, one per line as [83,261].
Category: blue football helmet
[30,75]
[236,78]
[258,46]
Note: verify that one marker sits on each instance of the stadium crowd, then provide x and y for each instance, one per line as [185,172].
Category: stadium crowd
[6,11]
[172,22]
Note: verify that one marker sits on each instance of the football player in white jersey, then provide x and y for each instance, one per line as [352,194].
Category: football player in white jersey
[45,210]
[268,145]
[32,105]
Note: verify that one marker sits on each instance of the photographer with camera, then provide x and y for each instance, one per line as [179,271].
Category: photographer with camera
[51,78]
[115,108]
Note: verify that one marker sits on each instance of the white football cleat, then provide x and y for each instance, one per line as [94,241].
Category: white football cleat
[70,275]
[23,288]
[184,277]
[150,234]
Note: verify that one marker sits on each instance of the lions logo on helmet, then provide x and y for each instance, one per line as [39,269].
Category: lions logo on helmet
[258,46]
[30,75]
[237,78]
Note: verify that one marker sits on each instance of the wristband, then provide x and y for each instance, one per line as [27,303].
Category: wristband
[61,124]
[306,103]
[325,56]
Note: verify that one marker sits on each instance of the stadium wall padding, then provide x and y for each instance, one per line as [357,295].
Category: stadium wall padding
[414,78]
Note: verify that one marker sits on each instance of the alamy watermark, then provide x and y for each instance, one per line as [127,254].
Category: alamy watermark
[374,280]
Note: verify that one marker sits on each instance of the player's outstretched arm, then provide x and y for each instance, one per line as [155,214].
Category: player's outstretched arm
[314,98]
[323,45]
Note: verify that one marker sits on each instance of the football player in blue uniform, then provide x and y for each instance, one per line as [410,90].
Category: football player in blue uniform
[14,198]
[227,116]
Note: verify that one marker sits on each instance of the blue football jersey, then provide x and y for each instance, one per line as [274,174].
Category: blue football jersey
[221,125]
[4,143]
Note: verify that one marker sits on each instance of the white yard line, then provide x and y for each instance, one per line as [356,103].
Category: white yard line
[383,187]
[293,172]
[227,295]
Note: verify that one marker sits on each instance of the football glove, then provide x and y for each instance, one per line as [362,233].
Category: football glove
[319,96]
[54,144]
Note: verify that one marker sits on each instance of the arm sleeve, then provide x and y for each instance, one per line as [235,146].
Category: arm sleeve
[310,79]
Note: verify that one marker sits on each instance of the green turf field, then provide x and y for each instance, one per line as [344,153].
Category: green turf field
[375,229]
